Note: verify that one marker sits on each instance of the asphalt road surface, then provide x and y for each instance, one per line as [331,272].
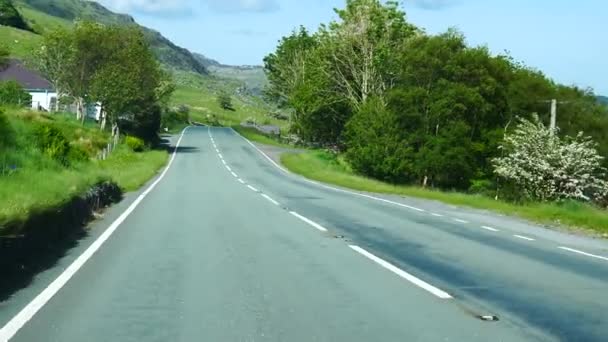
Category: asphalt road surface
[225,246]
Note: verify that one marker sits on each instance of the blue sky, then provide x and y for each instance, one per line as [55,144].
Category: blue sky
[566,39]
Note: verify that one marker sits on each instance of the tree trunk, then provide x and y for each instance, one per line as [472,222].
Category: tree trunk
[80,109]
[102,119]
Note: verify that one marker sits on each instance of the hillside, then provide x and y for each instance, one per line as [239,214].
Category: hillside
[602,99]
[252,76]
[43,15]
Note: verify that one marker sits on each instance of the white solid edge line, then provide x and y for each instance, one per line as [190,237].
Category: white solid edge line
[310,222]
[252,188]
[490,228]
[460,221]
[241,181]
[584,253]
[234,174]
[16,323]
[327,186]
[524,238]
[401,273]
[270,199]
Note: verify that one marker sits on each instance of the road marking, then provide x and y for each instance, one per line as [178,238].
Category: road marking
[460,221]
[310,222]
[490,228]
[221,156]
[228,168]
[401,273]
[584,253]
[327,186]
[223,161]
[16,323]
[436,215]
[234,174]
[270,199]
[252,188]
[241,181]
[524,238]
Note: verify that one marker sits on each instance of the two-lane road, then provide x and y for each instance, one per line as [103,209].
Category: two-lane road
[227,247]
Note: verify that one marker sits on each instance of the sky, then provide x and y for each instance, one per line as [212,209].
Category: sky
[566,39]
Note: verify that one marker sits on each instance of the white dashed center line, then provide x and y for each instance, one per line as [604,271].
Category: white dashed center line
[270,199]
[312,223]
[584,253]
[460,221]
[241,181]
[235,175]
[401,273]
[524,237]
[252,188]
[436,215]
[490,229]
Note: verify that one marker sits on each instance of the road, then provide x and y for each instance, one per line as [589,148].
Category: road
[227,247]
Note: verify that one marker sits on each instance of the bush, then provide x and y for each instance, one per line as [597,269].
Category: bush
[225,101]
[53,143]
[6,132]
[12,94]
[135,144]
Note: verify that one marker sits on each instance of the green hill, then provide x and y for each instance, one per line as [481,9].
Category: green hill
[602,99]
[44,15]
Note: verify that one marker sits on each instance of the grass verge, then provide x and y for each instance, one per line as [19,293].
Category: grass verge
[324,167]
[255,135]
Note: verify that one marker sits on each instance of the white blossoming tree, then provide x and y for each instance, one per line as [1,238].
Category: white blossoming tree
[544,167]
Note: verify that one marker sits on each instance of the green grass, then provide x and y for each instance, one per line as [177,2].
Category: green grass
[40,183]
[20,43]
[255,135]
[326,168]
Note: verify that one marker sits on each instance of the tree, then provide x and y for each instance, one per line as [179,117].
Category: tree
[12,94]
[53,59]
[9,16]
[225,100]
[127,82]
[545,167]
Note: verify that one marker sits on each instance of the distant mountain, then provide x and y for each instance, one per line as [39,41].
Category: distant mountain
[602,99]
[252,76]
[41,14]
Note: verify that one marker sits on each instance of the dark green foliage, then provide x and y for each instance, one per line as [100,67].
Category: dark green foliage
[9,16]
[225,101]
[6,132]
[12,94]
[426,109]
[143,122]
[135,144]
[4,54]
[173,117]
[53,143]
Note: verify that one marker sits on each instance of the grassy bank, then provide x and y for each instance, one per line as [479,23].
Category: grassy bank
[257,136]
[32,181]
[326,168]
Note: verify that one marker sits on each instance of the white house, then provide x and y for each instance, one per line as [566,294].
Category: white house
[43,94]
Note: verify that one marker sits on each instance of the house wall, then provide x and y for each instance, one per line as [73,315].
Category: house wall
[42,99]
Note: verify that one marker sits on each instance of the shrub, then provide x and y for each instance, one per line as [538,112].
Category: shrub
[12,94]
[225,101]
[6,132]
[77,154]
[53,143]
[135,144]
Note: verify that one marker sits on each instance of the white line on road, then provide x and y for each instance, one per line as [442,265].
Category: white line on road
[234,174]
[327,186]
[490,228]
[223,161]
[252,188]
[16,323]
[220,155]
[401,273]
[228,168]
[524,237]
[310,222]
[460,221]
[436,215]
[270,199]
[241,181]
[584,253]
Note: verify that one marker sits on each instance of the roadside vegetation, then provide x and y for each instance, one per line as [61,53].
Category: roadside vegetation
[414,113]
[255,135]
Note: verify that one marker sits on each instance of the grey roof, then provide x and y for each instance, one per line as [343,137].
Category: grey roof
[29,79]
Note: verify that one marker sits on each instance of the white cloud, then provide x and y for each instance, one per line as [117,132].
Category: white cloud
[172,7]
[231,6]
[157,7]
[431,4]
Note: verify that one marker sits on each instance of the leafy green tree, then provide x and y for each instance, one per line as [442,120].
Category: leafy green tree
[53,59]
[4,54]
[9,16]
[13,94]
[225,100]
